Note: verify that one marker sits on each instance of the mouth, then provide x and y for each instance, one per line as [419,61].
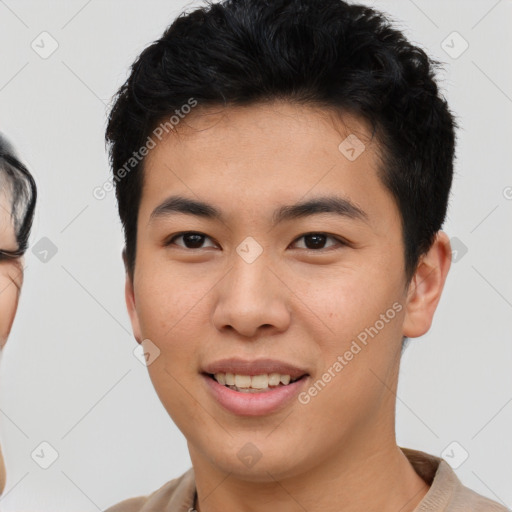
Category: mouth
[254,387]
[261,383]
[254,395]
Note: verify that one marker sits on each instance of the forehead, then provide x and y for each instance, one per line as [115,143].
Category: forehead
[262,128]
[269,153]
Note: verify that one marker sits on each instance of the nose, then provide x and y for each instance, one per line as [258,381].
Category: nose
[251,299]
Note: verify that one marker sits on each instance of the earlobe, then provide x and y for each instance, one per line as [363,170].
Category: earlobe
[426,287]
[129,294]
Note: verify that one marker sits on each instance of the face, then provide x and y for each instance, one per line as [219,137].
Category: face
[288,291]
[11,275]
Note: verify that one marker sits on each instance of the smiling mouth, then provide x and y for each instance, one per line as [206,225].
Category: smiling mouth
[253,383]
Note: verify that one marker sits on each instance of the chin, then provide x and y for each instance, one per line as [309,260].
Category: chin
[255,462]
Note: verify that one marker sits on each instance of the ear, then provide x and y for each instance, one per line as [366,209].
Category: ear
[426,287]
[129,295]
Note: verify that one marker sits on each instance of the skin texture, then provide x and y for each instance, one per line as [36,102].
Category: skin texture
[303,306]
[11,279]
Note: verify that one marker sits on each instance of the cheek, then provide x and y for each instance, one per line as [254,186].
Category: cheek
[357,336]
[168,303]
[8,305]
[172,309]
[345,301]
[173,317]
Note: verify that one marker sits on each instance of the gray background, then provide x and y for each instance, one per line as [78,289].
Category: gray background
[69,376]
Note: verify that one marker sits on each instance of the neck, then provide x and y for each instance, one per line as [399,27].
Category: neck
[364,477]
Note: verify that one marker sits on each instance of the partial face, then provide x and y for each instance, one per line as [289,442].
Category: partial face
[302,287]
[11,275]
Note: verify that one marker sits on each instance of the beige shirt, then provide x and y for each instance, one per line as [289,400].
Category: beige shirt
[446,493]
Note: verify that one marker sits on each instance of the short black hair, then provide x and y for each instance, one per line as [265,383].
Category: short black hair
[324,53]
[20,188]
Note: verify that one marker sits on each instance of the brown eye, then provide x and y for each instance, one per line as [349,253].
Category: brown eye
[312,241]
[316,241]
[190,240]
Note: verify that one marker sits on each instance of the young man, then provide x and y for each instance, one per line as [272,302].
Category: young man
[17,203]
[282,170]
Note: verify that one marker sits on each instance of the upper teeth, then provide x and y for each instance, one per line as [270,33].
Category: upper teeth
[255,381]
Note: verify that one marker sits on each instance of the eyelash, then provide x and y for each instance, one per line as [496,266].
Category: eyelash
[340,241]
[9,255]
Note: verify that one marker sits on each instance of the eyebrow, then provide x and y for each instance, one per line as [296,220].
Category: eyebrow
[324,204]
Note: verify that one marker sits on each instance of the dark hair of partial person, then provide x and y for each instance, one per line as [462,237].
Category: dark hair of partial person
[322,53]
[22,192]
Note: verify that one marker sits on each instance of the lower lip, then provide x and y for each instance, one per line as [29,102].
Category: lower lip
[254,404]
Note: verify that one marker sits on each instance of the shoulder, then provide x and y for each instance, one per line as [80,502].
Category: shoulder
[467,499]
[130,505]
[446,493]
[177,492]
